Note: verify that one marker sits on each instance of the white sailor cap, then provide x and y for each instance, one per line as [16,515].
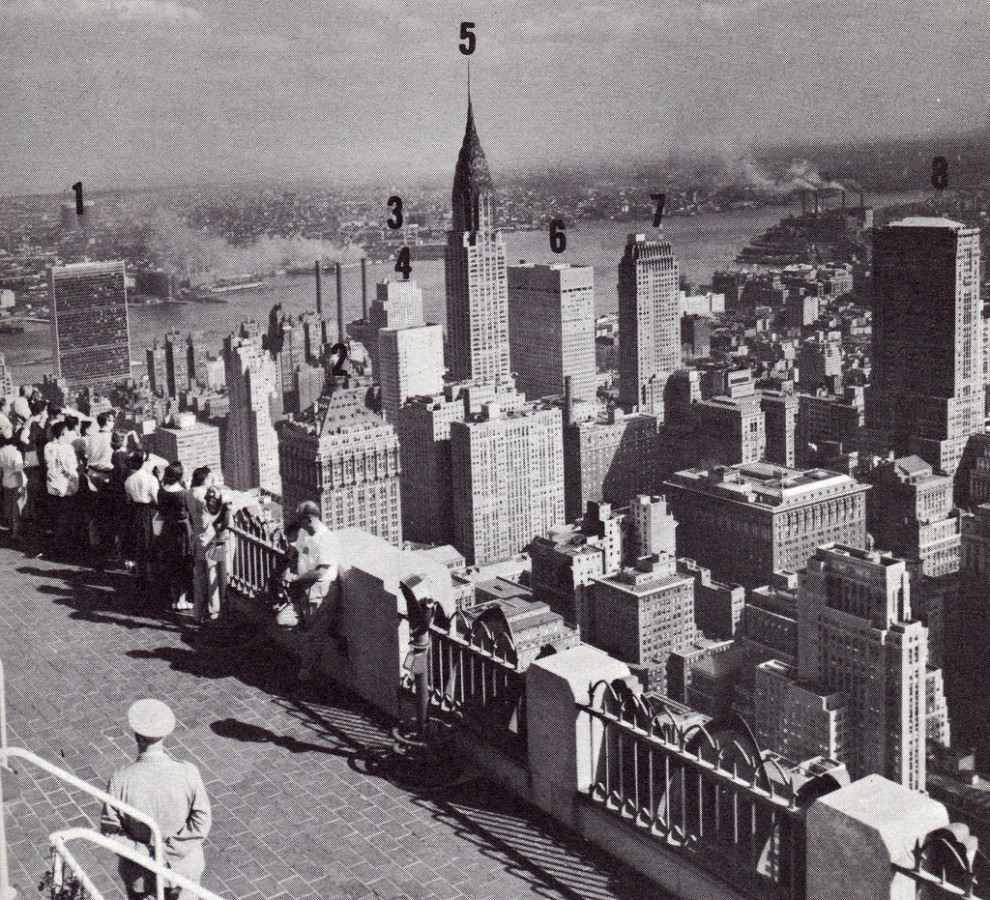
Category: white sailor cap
[151,718]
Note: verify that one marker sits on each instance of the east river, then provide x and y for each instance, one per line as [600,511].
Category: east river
[703,243]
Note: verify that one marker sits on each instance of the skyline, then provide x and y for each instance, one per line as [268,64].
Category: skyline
[160,91]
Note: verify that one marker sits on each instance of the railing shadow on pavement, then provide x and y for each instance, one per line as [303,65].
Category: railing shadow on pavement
[527,842]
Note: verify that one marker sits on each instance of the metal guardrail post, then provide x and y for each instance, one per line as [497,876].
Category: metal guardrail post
[6,891]
[97,794]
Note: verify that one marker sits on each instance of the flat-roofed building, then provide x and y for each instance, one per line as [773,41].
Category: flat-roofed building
[612,458]
[747,522]
[642,614]
[90,338]
[188,441]
[507,469]
[552,329]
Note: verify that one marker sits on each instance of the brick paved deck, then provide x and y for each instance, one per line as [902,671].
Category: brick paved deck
[294,814]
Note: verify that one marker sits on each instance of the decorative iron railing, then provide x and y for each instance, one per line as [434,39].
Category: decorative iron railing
[260,548]
[708,795]
[945,865]
[475,677]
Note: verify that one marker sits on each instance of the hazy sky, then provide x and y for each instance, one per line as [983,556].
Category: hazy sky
[126,92]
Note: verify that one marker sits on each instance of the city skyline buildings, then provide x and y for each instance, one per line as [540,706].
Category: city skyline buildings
[251,444]
[346,459]
[552,329]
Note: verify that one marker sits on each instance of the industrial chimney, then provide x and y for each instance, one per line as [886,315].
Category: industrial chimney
[341,334]
[319,291]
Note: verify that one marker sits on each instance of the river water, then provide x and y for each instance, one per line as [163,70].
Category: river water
[702,243]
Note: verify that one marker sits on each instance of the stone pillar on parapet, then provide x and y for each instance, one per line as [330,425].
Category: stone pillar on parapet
[858,834]
[374,642]
[564,745]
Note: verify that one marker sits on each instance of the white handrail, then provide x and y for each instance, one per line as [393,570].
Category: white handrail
[61,857]
[103,796]
[59,839]
[6,891]
[20,753]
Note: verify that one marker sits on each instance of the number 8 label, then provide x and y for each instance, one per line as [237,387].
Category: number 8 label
[940,173]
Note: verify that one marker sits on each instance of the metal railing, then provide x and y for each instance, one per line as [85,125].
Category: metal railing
[711,798]
[260,548]
[477,678]
[945,864]
[63,861]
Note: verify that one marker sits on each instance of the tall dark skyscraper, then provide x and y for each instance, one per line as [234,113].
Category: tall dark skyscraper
[926,389]
[89,330]
[649,323]
[477,292]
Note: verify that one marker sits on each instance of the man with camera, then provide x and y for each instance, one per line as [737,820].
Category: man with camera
[204,506]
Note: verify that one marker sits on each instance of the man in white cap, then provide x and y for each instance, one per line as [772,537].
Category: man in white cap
[170,792]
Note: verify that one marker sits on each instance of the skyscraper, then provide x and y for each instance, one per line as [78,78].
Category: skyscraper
[507,469]
[251,445]
[342,456]
[926,395]
[423,427]
[552,329]
[649,323]
[295,344]
[398,304]
[410,364]
[611,458]
[856,635]
[178,363]
[474,264]
[155,364]
[89,328]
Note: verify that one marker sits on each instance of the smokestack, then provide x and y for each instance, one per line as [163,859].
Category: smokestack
[341,334]
[364,288]
[319,291]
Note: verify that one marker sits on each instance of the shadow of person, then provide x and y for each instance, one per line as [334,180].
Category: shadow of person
[234,729]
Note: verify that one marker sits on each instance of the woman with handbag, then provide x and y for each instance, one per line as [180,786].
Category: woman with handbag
[173,538]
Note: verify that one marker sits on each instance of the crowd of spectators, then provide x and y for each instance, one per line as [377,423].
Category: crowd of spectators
[79,490]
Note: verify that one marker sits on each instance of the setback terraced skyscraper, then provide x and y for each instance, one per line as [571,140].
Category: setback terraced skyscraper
[926,392]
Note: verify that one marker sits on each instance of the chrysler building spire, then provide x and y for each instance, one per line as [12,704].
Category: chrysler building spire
[477,294]
[472,199]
